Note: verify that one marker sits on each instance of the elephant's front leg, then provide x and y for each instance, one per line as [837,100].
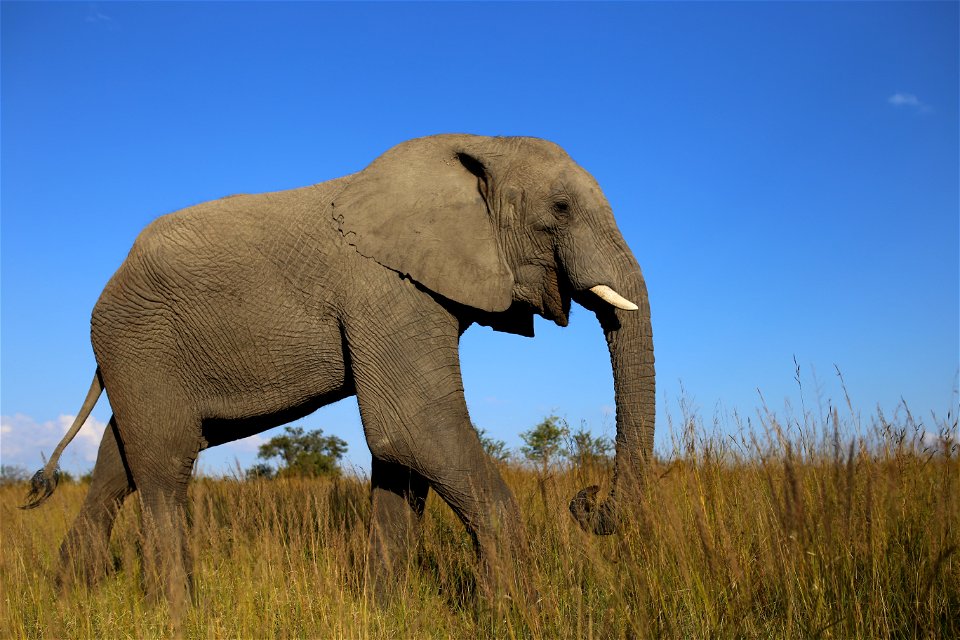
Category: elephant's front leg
[405,363]
[398,498]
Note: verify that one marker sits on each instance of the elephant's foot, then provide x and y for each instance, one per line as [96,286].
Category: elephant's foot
[384,585]
[504,573]
[507,592]
[84,562]
[389,564]
[165,584]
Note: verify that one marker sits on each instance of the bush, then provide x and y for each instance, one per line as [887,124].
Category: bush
[584,450]
[261,471]
[496,449]
[12,474]
[301,454]
[544,443]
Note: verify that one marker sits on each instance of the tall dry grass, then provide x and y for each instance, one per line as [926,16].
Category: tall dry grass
[787,528]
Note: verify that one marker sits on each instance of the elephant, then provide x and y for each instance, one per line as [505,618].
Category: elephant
[240,314]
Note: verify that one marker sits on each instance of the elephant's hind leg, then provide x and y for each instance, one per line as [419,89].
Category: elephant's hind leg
[167,444]
[85,551]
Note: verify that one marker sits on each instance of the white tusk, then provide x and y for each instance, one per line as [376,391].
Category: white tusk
[609,295]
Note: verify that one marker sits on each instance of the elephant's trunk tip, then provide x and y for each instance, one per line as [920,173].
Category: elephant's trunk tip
[598,519]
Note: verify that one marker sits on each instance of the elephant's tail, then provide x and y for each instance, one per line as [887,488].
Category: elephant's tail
[45,481]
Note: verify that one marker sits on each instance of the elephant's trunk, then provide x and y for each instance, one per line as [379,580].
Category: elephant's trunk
[630,340]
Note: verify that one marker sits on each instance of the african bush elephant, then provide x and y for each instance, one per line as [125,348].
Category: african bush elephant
[237,315]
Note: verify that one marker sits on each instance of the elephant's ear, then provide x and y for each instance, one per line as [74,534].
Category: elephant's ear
[421,210]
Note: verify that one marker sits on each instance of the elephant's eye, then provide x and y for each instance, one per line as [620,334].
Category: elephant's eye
[561,207]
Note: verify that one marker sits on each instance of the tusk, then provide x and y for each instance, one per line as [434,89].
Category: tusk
[609,295]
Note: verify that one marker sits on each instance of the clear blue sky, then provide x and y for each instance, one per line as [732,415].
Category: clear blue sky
[787,175]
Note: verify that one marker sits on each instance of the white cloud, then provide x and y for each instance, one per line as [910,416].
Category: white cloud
[97,17]
[910,101]
[904,99]
[23,440]
[934,442]
[246,445]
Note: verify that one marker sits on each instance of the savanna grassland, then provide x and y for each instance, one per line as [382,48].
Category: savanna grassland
[788,529]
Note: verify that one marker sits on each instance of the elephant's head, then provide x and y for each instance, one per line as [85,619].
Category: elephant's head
[505,228]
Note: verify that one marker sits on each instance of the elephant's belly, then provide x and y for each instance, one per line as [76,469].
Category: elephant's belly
[277,389]
[250,374]
[221,429]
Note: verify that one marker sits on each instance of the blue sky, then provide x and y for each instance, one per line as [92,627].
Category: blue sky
[786,173]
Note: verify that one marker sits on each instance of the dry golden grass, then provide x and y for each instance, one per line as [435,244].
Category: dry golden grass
[806,531]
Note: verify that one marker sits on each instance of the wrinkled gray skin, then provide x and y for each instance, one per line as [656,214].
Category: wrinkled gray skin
[241,314]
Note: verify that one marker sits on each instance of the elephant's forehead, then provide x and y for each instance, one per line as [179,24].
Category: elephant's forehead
[572,178]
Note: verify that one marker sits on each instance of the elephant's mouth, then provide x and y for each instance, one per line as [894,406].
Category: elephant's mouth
[558,292]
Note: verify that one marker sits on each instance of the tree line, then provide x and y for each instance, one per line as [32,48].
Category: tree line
[300,453]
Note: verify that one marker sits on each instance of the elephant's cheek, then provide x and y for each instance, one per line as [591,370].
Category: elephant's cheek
[539,287]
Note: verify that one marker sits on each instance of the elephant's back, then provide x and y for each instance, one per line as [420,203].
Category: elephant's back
[224,242]
[214,285]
